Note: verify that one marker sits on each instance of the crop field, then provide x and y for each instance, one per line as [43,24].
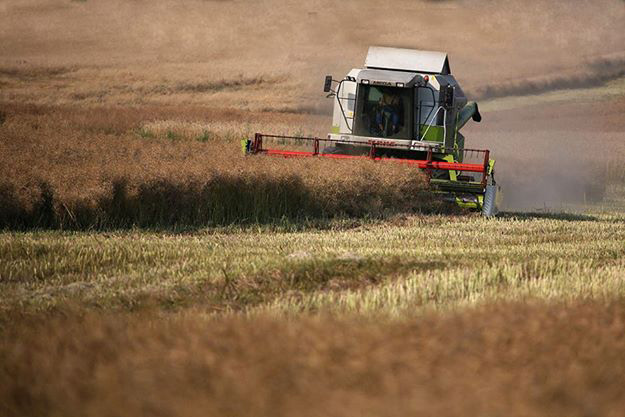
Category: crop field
[149,267]
[519,315]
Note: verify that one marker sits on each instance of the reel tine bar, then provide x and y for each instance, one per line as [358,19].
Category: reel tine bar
[428,165]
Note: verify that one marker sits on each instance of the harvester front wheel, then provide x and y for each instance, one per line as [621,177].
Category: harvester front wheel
[441,174]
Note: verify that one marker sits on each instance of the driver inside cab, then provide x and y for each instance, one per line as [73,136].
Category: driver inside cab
[387,115]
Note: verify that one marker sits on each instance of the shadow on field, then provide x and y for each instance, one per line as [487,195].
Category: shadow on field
[297,277]
[223,200]
[576,217]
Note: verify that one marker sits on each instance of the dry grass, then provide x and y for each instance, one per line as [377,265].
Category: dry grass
[507,359]
[123,53]
[397,268]
[72,168]
[388,318]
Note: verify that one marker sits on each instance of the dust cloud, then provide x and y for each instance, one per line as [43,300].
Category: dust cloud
[554,154]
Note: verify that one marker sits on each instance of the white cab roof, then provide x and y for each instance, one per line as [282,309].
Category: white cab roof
[407,60]
[386,76]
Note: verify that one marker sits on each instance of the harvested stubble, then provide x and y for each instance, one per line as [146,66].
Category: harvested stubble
[67,168]
[508,359]
[371,269]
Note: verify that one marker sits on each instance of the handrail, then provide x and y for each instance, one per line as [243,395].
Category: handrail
[432,118]
[367,143]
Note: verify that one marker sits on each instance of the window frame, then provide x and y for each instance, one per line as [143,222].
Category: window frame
[360,130]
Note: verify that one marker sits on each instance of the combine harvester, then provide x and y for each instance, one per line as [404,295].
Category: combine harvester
[403,106]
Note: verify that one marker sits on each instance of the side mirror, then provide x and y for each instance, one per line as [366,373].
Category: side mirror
[446,97]
[327,86]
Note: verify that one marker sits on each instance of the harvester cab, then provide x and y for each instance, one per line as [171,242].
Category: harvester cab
[405,106]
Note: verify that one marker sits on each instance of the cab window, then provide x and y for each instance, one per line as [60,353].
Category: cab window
[384,112]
